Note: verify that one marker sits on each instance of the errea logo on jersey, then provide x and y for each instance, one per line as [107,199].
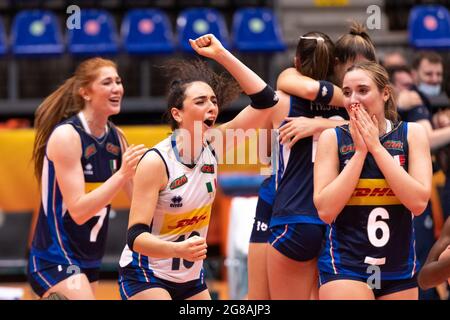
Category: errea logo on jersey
[176,202]
[88,169]
[178,182]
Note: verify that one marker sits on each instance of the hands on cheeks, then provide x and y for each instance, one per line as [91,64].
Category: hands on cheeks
[360,144]
[367,127]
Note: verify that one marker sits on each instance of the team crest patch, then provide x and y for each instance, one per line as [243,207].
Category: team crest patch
[207,168]
[90,151]
[347,148]
[112,148]
[393,144]
[178,182]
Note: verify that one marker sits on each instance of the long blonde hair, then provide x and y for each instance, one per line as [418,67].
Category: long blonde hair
[63,103]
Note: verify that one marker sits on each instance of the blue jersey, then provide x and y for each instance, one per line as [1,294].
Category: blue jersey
[267,189]
[57,237]
[294,196]
[374,228]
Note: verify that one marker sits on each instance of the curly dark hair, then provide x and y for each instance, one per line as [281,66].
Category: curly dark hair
[184,72]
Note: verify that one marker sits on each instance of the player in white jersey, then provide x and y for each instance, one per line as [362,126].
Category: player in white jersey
[182,211]
[174,186]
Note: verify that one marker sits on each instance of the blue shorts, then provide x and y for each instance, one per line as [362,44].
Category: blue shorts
[43,274]
[131,283]
[386,286]
[298,241]
[261,231]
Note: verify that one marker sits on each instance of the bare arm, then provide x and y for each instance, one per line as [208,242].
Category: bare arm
[209,46]
[81,205]
[302,127]
[294,83]
[438,137]
[150,179]
[412,188]
[436,270]
[328,182]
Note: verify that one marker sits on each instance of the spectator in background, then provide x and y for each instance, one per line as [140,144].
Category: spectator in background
[394,59]
[428,76]
[411,108]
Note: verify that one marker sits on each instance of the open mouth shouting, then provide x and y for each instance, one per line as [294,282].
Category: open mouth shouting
[209,122]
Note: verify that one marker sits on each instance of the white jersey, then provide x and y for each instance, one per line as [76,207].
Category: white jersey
[183,210]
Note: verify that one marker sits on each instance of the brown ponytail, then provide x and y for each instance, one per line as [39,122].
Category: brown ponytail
[62,104]
[315,53]
[355,43]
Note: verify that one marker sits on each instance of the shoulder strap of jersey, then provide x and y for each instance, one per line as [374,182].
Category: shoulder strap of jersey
[162,158]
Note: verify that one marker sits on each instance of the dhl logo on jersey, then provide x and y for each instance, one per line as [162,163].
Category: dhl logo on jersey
[186,222]
[373,192]
[90,186]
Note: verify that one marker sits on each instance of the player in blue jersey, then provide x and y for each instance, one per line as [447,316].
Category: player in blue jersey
[275,116]
[370,179]
[297,232]
[315,52]
[82,162]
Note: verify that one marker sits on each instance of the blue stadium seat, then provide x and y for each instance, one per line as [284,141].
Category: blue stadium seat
[36,32]
[3,45]
[97,35]
[240,184]
[257,29]
[193,23]
[429,27]
[147,31]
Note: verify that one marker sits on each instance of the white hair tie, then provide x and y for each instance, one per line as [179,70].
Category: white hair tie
[318,39]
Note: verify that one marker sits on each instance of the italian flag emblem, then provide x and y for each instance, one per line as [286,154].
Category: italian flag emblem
[113,165]
[210,187]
